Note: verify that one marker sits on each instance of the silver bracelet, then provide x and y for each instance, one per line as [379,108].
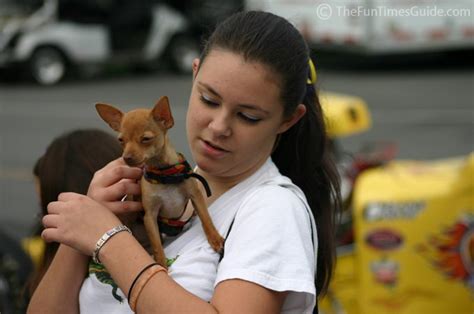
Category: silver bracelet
[105,238]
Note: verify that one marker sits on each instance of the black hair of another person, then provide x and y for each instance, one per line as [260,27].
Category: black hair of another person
[68,165]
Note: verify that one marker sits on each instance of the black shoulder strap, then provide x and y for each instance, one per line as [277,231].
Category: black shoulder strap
[221,253]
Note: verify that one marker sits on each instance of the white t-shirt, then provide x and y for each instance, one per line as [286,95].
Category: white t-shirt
[271,244]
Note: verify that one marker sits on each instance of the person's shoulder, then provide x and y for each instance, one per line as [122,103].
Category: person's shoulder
[274,199]
[273,191]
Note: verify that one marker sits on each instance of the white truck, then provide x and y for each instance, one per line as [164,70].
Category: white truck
[379,26]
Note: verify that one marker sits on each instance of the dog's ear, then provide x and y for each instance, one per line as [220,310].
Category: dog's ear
[162,113]
[111,115]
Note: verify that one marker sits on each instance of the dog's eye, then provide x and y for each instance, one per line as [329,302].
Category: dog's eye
[120,140]
[146,140]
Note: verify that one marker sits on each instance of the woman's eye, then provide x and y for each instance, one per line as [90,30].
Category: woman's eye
[248,118]
[208,101]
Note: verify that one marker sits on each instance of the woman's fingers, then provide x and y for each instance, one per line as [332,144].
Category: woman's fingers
[68,196]
[124,207]
[77,221]
[126,187]
[114,163]
[55,207]
[114,181]
[114,172]
[50,235]
[50,221]
[116,191]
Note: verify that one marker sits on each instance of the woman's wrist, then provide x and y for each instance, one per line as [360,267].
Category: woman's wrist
[113,248]
[123,264]
[105,238]
[72,253]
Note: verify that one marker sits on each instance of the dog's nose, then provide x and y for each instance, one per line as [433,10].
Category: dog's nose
[129,160]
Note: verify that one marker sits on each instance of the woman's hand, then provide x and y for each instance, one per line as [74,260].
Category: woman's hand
[111,183]
[77,221]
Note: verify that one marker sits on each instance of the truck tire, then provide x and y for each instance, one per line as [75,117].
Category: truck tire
[48,66]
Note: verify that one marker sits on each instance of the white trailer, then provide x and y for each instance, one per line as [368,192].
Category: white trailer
[379,26]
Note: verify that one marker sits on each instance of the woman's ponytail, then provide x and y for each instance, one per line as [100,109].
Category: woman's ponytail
[302,152]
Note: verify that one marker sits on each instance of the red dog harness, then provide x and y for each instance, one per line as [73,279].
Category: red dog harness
[173,174]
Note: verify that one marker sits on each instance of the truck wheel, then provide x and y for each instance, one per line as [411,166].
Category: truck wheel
[183,50]
[48,66]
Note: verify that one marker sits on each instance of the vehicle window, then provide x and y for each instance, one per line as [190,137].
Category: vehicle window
[19,8]
[82,11]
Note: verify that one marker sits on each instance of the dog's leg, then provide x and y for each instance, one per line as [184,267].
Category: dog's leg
[153,232]
[213,236]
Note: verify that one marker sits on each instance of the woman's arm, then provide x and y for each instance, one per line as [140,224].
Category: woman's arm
[124,258]
[163,295]
[58,291]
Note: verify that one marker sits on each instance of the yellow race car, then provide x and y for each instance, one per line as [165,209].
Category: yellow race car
[412,226]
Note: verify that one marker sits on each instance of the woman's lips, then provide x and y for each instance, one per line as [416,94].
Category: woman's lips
[215,146]
[212,149]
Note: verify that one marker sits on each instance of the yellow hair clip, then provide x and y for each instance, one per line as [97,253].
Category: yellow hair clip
[312,73]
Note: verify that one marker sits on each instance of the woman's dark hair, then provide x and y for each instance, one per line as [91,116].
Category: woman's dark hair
[68,165]
[302,152]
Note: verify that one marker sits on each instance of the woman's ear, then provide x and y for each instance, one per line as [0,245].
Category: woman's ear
[293,119]
[195,67]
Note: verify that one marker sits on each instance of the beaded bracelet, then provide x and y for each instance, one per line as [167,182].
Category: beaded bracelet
[106,237]
[140,281]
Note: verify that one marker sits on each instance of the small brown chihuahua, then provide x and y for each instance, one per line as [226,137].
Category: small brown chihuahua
[165,187]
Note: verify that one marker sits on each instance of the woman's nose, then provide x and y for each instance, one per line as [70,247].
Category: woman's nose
[220,125]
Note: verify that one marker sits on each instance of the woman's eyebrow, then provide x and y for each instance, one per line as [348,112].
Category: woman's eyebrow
[247,106]
[253,107]
[210,89]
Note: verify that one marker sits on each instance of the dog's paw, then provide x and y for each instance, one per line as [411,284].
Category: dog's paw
[162,262]
[217,243]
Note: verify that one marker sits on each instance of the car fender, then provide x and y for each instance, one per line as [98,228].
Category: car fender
[166,23]
[79,43]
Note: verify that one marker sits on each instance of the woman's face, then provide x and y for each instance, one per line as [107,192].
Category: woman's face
[234,114]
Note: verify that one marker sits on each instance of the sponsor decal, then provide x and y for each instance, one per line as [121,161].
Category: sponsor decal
[384,239]
[451,251]
[400,34]
[377,211]
[385,272]
[402,299]
[468,32]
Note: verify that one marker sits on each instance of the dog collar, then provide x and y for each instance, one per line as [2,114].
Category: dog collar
[174,174]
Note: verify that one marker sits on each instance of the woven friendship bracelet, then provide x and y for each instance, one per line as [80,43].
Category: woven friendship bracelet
[106,237]
[136,278]
[140,282]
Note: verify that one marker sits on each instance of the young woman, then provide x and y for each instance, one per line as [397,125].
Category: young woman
[256,132]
